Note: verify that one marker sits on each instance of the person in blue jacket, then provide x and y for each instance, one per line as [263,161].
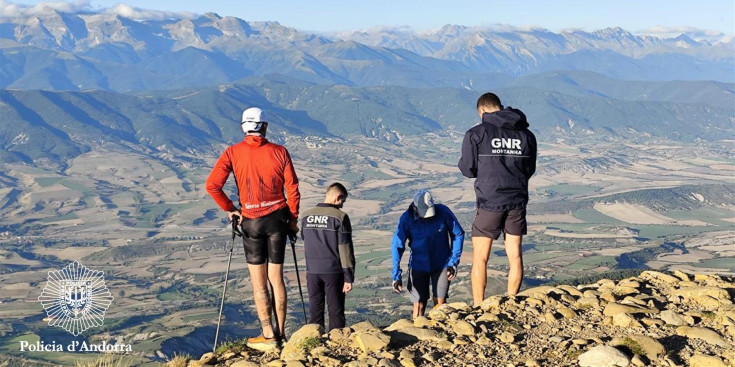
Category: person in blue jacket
[435,238]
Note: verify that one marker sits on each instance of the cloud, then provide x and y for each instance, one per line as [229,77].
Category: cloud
[691,32]
[128,11]
[13,10]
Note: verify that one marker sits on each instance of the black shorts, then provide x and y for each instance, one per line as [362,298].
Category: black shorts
[490,224]
[265,238]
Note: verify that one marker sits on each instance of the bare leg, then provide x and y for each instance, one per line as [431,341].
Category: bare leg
[262,297]
[275,276]
[438,301]
[480,254]
[515,260]
[418,309]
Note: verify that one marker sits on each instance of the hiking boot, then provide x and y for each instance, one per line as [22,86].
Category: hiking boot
[262,343]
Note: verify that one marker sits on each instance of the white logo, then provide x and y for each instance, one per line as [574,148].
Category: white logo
[506,143]
[322,219]
[75,298]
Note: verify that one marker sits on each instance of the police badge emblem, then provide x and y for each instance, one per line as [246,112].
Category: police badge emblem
[75,298]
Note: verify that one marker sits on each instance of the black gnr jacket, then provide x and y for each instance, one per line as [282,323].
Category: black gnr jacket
[327,236]
[501,153]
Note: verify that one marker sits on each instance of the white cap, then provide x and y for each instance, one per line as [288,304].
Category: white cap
[252,119]
[424,203]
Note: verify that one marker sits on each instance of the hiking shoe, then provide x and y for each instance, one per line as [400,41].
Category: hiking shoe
[262,343]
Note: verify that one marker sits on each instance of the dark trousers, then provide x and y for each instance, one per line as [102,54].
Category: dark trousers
[329,285]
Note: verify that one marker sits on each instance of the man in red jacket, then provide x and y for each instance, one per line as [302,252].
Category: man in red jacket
[263,172]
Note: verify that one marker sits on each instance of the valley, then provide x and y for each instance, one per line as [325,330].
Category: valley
[596,208]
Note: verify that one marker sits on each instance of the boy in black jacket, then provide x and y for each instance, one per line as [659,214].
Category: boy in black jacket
[330,257]
[500,153]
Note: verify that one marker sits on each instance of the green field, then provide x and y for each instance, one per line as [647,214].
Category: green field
[717,263]
[47,181]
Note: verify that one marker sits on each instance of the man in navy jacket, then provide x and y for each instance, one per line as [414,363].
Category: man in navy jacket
[500,153]
[330,257]
[435,238]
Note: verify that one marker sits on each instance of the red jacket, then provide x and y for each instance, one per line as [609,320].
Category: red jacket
[262,171]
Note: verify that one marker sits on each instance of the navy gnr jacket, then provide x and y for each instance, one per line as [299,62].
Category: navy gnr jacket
[327,236]
[435,242]
[501,153]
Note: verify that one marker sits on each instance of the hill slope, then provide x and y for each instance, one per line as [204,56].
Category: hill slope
[654,319]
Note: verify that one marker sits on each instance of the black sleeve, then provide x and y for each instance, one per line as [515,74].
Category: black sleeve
[531,169]
[346,250]
[468,160]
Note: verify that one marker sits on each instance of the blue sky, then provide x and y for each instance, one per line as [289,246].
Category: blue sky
[323,15]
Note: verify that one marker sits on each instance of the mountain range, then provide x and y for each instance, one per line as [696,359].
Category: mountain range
[53,126]
[56,50]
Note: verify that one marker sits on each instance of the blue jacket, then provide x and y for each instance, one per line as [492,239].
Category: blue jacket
[436,242]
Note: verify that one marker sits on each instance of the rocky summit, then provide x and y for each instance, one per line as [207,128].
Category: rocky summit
[653,319]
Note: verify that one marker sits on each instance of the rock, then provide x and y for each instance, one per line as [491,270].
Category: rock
[412,334]
[293,349]
[544,289]
[437,314]
[549,317]
[666,278]
[295,364]
[587,302]
[318,351]
[556,339]
[567,312]
[624,320]
[507,337]
[460,306]
[580,342]
[624,291]
[701,360]
[638,361]
[603,356]
[571,290]
[608,296]
[401,324]
[689,292]
[492,302]
[337,335]
[407,363]
[208,358]
[708,335]
[613,309]
[652,348]
[406,354]
[228,355]
[422,321]
[365,326]
[464,328]
[532,363]
[681,275]
[488,317]
[388,363]
[370,341]
[329,361]
[672,318]
[244,364]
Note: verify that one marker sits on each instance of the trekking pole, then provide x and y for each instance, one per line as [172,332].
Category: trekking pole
[235,232]
[292,237]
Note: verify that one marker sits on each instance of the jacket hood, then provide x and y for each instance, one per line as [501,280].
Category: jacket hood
[507,118]
[255,140]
